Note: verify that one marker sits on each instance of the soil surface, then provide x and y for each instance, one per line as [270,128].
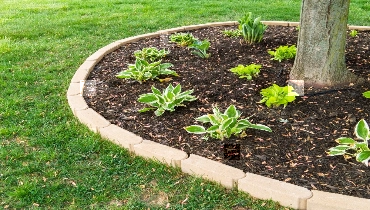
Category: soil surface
[295,152]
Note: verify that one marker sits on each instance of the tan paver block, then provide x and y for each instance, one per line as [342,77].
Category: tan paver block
[74,89]
[328,201]
[120,136]
[163,153]
[276,23]
[359,28]
[92,119]
[83,71]
[77,103]
[226,175]
[227,23]
[293,23]
[192,27]
[266,188]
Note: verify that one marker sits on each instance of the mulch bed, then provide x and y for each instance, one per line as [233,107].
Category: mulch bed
[295,152]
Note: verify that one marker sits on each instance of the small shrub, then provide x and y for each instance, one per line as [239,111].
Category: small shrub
[276,95]
[168,100]
[232,33]
[283,53]
[349,147]
[143,70]
[353,33]
[200,48]
[252,30]
[248,72]
[150,54]
[223,124]
[183,39]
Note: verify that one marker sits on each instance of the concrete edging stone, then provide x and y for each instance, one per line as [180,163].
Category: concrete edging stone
[258,186]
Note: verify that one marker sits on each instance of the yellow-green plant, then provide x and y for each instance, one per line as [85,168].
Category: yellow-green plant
[248,72]
[232,33]
[283,53]
[353,33]
[366,94]
[276,95]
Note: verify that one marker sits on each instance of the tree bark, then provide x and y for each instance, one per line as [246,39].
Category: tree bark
[320,59]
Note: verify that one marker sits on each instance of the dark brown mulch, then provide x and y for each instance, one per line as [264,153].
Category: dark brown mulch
[294,152]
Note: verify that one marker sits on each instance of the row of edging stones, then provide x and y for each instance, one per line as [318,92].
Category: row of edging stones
[258,186]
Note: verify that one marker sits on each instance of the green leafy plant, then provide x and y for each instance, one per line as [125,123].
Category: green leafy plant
[168,100]
[276,95]
[143,70]
[183,39]
[248,72]
[353,33]
[223,124]
[349,147]
[200,48]
[252,30]
[283,53]
[151,54]
[232,33]
[366,94]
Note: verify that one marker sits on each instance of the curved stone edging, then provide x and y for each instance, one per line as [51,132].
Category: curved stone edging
[258,186]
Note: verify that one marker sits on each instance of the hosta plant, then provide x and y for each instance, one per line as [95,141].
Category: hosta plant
[150,54]
[353,33]
[283,53]
[168,100]
[366,94]
[252,29]
[248,72]
[276,95]
[349,147]
[200,48]
[232,33]
[183,39]
[223,125]
[143,70]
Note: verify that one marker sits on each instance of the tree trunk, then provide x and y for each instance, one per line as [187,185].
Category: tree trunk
[320,59]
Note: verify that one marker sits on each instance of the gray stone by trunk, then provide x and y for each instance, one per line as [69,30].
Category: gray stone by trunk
[320,59]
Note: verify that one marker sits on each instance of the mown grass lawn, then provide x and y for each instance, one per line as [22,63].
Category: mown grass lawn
[47,158]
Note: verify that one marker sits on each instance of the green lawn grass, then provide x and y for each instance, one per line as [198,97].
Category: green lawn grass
[47,158]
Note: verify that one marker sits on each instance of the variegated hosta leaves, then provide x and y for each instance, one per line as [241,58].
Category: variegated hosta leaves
[223,125]
[168,100]
[350,147]
[142,70]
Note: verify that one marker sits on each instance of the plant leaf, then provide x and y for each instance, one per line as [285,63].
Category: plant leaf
[147,98]
[362,130]
[366,94]
[260,127]
[345,140]
[203,119]
[363,156]
[231,111]
[197,129]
